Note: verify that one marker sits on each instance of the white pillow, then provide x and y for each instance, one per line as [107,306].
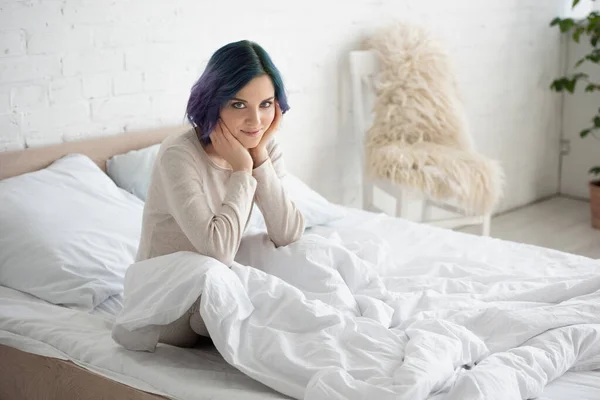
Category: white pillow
[67,233]
[316,209]
[132,172]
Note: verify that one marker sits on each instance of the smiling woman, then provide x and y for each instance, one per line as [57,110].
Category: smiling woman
[205,181]
[247,119]
[229,70]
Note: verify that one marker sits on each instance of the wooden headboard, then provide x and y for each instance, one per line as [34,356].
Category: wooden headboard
[13,163]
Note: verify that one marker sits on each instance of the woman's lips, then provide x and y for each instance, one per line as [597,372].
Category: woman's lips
[251,133]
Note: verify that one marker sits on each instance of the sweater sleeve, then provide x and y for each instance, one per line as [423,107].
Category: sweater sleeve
[214,235]
[285,223]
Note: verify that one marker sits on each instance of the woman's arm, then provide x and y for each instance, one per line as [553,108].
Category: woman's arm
[285,223]
[214,235]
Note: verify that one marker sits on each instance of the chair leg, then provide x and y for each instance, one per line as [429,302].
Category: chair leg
[411,205]
[424,208]
[400,204]
[367,196]
[486,225]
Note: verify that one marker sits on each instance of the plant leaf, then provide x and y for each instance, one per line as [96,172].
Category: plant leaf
[566,24]
[575,2]
[584,133]
[594,170]
[594,56]
[577,34]
[557,85]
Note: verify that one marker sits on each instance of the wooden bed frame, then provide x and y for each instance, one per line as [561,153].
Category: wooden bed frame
[29,376]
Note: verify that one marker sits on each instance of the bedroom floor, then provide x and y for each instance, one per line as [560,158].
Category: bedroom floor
[559,223]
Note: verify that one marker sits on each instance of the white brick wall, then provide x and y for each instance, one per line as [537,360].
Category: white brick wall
[76,68]
[12,43]
[97,85]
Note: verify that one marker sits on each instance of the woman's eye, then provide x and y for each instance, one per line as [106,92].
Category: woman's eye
[238,105]
[267,104]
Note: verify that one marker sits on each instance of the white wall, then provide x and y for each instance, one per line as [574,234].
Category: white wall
[74,68]
[581,10]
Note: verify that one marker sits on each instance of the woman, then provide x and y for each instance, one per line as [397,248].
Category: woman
[206,181]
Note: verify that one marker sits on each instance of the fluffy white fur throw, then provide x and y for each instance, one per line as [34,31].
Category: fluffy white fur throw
[419,137]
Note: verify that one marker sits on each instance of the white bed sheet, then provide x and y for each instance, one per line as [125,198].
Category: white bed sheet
[32,325]
[110,307]
[574,385]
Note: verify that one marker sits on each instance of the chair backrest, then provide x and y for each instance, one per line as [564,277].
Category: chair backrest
[364,67]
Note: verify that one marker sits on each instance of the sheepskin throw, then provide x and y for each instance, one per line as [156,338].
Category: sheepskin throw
[419,137]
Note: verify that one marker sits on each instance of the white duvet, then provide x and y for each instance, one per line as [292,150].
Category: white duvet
[388,310]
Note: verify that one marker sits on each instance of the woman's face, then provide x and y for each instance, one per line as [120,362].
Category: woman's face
[250,112]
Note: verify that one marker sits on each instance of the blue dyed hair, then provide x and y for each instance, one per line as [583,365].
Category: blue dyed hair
[229,69]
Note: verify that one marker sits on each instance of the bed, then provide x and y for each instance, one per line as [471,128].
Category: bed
[52,351]
[27,375]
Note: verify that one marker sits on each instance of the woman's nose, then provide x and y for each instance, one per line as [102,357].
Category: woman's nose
[253,118]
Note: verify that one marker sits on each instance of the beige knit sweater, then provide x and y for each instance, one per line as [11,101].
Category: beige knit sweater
[193,204]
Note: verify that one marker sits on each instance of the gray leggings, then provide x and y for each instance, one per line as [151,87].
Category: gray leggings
[185,331]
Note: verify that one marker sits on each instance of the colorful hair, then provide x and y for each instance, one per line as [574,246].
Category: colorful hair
[229,69]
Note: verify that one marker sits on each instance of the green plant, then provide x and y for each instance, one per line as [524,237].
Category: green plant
[588,28]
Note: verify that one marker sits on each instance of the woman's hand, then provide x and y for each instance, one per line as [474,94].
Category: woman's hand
[259,153]
[228,147]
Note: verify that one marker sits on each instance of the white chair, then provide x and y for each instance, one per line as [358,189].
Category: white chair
[409,203]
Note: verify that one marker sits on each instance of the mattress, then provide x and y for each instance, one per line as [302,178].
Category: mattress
[32,325]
